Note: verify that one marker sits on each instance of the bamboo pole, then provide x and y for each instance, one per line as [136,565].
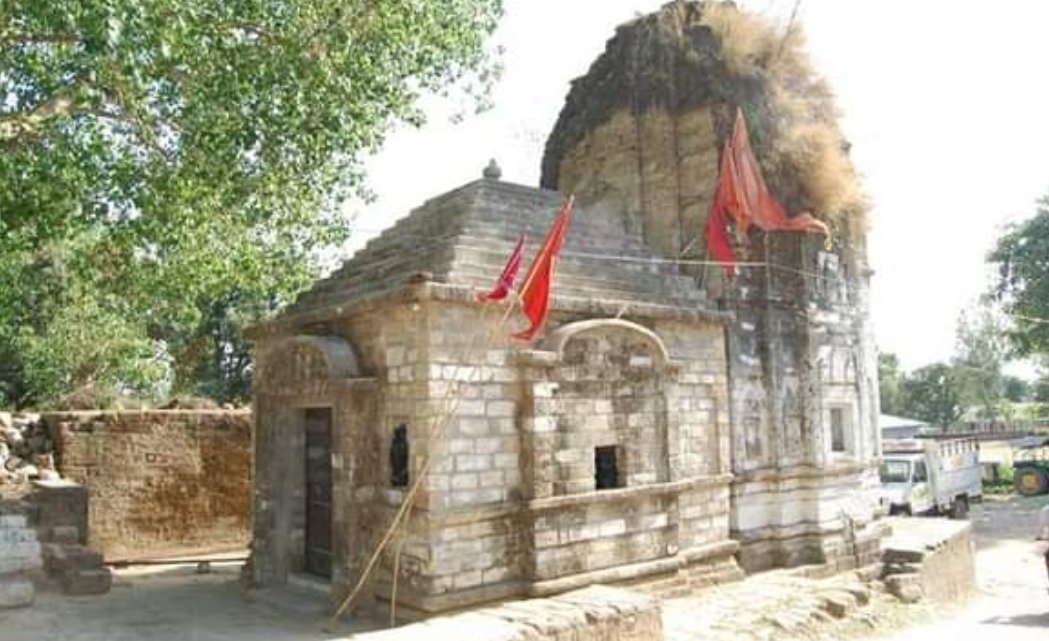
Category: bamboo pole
[439,424]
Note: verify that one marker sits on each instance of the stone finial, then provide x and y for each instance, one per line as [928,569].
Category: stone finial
[492,171]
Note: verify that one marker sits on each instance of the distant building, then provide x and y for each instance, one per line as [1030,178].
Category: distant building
[893,427]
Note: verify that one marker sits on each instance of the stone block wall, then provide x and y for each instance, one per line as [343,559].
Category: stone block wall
[511,502]
[160,481]
[20,556]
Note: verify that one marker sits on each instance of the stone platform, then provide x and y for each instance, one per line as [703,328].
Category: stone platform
[929,558]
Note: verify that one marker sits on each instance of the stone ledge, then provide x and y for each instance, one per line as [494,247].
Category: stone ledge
[413,293]
[708,553]
[468,516]
[627,493]
[802,472]
[929,558]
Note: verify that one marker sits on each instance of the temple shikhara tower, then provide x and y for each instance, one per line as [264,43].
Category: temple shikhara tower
[670,424]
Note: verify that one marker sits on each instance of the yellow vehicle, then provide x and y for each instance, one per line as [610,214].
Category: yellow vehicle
[1031,469]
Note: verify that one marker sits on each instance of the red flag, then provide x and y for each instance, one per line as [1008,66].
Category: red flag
[742,194]
[724,203]
[535,294]
[509,275]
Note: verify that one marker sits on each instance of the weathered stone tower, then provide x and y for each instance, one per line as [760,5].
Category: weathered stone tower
[639,139]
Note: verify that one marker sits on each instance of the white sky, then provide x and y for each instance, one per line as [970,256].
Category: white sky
[945,101]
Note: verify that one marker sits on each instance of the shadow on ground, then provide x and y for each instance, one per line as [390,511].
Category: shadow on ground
[1040,620]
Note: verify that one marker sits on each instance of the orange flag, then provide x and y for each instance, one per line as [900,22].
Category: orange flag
[535,294]
[743,196]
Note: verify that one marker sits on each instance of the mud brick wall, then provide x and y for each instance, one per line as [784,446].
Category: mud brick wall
[160,482]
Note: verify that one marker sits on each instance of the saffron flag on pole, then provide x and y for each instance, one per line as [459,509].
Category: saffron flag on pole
[509,275]
[718,243]
[742,195]
[535,293]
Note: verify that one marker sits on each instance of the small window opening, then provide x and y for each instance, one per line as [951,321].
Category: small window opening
[606,468]
[837,429]
[399,457]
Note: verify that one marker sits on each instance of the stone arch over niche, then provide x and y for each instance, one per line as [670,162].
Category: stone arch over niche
[304,363]
[558,339]
[612,377]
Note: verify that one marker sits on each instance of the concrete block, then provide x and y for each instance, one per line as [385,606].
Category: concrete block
[838,604]
[472,462]
[12,521]
[20,557]
[16,592]
[501,409]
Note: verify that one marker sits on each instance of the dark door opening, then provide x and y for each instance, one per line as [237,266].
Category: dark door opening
[318,491]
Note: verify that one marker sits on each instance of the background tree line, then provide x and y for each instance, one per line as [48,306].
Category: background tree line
[1011,322]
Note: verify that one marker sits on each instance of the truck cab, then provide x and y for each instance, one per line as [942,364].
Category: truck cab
[905,483]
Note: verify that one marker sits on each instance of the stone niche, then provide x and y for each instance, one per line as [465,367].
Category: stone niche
[606,393]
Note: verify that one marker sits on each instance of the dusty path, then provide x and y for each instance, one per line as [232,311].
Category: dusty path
[1014,601]
[177,604]
[174,604]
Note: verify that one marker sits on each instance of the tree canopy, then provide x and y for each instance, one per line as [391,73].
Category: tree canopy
[1021,256]
[171,169]
[930,393]
[890,378]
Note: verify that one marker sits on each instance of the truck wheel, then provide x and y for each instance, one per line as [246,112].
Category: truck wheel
[1030,481]
[960,507]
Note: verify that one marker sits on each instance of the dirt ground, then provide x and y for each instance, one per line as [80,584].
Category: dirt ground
[1013,604]
[174,603]
[177,604]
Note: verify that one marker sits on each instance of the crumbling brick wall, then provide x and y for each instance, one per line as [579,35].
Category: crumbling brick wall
[161,481]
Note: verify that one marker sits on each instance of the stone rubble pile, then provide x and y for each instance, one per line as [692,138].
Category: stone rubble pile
[26,450]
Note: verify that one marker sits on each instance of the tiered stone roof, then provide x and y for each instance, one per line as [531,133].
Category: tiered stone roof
[462,239]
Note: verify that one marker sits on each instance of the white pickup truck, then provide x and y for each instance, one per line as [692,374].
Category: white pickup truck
[931,476]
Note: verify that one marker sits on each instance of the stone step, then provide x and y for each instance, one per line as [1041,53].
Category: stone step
[87,582]
[61,558]
[838,603]
[77,569]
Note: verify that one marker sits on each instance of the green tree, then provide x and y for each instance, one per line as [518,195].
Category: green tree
[173,154]
[1021,256]
[981,351]
[1016,389]
[1040,390]
[889,379]
[931,394]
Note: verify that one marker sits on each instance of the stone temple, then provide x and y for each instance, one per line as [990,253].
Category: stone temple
[668,425]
